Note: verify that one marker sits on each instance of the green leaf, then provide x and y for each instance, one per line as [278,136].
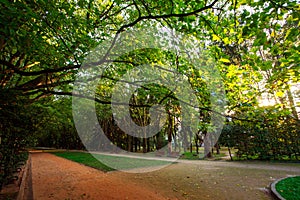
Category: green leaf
[224,60]
[215,37]
[280,94]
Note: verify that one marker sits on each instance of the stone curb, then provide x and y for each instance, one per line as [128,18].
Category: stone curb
[274,191]
[25,187]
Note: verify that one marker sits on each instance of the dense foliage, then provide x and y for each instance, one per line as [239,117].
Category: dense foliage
[273,135]
[15,128]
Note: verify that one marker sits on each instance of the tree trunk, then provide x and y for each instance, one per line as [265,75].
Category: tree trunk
[135,144]
[229,151]
[217,148]
[144,145]
[139,142]
[148,144]
[184,139]
[292,103]
[170,130]
[158,141]
[129,143]
[169,143]
[207,145]
[197,147]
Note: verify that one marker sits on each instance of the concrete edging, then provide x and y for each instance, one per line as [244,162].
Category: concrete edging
[25,186]
[273,188]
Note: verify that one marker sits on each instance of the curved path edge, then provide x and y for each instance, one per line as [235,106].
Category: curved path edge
[273,188]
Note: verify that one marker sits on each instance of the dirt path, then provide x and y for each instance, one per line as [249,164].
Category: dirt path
[213,180]
[58,178]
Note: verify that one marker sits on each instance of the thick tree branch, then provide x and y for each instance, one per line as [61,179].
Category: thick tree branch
[141,18]
[166,16]
[36,73]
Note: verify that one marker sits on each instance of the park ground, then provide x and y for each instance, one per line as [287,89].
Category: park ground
[57,178]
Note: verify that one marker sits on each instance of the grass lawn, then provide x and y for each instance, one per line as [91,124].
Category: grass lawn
[194,156]
[289,188]
[115,162]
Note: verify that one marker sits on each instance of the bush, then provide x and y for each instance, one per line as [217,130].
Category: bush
[266,134]
[15,128]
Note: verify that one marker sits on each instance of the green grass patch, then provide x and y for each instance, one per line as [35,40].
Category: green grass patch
[191,156]
[195,156]
[84,158]
[289,188]
[115,162]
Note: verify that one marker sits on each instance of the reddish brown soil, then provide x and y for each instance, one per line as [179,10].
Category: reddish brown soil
[58,178]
